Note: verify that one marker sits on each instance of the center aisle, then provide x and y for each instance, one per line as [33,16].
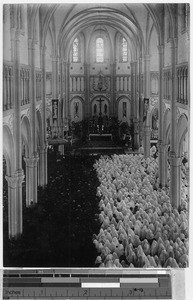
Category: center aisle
[73,183]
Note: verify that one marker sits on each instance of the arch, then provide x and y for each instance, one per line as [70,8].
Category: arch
[182,129]
[39,129]
[8,150]
[166,126]
[26,134]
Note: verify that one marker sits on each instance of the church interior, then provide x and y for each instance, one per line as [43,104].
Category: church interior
[96,113]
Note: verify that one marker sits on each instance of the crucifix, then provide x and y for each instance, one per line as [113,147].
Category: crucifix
[100,102]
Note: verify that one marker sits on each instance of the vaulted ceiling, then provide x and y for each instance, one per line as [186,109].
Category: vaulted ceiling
[135,21]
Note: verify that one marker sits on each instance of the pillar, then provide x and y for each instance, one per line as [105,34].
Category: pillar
[17,103]
[61,90]
[15,181]
[33,154]
[136,133]
[67,92]
[87,90]
[42,165]
[136,107]
[161,155]
[15,217]
[146,140]
[132,90]
[43,148]
[113,111]
[140,104]
[175,179]
[175,174]
[31,180]
[65,106]
[55,77]
[146,124]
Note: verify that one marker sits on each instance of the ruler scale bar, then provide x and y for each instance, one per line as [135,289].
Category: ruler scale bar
[85,284]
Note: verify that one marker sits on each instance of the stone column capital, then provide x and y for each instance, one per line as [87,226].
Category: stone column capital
[31,44]
[17,34]
[12,32]
[43,50]
[147,128]
[174,42]
[161,48]
[16,179]
[175,160]
[43,148]
[55,58]
[31,162]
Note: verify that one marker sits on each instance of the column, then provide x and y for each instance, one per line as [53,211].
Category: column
[175,176]
[146,124]
[55,81]
[161,155]
[132,103]
[15,217]
[31,180]
[67,90]
[43,148]
[65,107]
[4,89]
[55,77]
[175,179]
[42,165]
[140,104]
[113,111]
[33,154]
[15,181]
[136,134]
[136,108]
[61,95]
[87,89]
[17,107]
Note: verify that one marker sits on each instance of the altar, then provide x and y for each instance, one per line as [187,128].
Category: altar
[100,137]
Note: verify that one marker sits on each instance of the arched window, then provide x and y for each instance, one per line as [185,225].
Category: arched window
[22,18]
[76,50]
[99,50]
[124,50]
[185,11]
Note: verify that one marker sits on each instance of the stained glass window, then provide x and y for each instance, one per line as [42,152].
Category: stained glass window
[99,50]
[124,49]
[76,50]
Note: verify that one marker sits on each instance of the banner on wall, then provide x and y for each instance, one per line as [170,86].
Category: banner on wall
[145,108]
[55,109]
